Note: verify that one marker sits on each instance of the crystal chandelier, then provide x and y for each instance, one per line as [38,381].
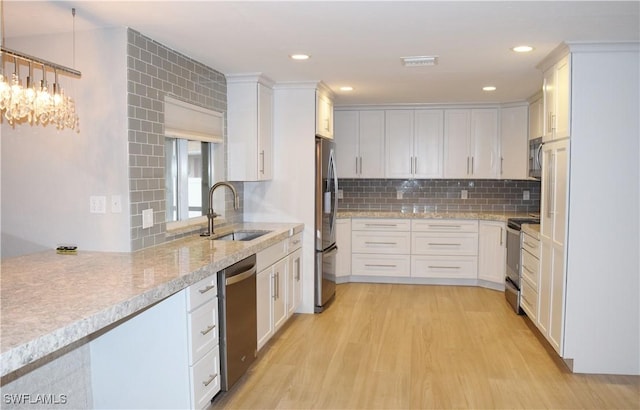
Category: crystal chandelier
[35,103]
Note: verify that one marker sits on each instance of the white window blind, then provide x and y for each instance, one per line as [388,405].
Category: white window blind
[188,121]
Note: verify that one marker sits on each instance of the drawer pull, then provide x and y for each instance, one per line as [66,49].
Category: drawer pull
[530,245]
[380,266]
[297,241]
[445,226]
[444,244]
[208,288]
[526,302]
[444,267]
[208,329]
[380,224]
[527,269]
[381,243]
[212,377]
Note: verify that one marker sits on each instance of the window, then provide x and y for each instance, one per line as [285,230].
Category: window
[194,160]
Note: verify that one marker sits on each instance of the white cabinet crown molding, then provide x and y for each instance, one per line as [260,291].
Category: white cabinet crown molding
[250,78]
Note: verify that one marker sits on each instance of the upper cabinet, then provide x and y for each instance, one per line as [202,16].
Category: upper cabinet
[359,137]
[249,128]
[556,88]
[324,112]
[471,143]
[414,143]
[536,115]
[513,142]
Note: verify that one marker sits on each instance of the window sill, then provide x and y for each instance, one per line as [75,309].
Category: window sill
[193,225]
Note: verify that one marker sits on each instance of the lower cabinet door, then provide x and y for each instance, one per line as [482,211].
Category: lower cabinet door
[263,306]
[454,267]
[294,285]
[380,265]
[279,293]
[205,379]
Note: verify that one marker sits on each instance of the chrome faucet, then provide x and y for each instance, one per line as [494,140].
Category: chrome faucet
[211,214]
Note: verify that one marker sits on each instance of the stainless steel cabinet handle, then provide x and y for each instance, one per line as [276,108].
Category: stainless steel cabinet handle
[212,377]
[501,162]
[360,165]
[472,167]
[443,267]
[380,243]
[467,165]
[380,224]
[208,329]
[208,288]
[411,163]
[356,165]
[415,167]
[444,244]
[297,276]
[262,162]
[379,266]
[444,226]
[501,229]
[273,294]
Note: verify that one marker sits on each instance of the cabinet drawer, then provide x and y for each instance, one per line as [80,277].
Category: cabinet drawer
[271,255]
[459,267]
[380,224]
[203,330]
[380,265]
[204,378]
[444,225]
[426,243]
[529,300]
[530,268]
[381,242]
[202,291]
[295,242]
[531,244]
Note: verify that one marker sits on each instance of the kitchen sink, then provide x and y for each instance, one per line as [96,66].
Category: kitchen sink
[243,235]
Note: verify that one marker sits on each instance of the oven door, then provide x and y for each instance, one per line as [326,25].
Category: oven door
[513,257]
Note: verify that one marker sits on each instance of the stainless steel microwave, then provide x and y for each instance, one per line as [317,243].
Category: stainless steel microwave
[535,158]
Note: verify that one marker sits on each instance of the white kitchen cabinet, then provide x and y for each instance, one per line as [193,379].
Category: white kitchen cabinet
[359,137]
[324,112]
[553,225]
[530,265]
[471,143]
[167,356]
[249,128]
[294,285]
[514,144]
[343,241]
[492,251]
[380,247]
[414,143]
[536,117]
[264,292]
[557,100]
[444,249]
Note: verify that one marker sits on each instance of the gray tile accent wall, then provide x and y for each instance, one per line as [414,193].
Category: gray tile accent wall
[432,195]
[154,71]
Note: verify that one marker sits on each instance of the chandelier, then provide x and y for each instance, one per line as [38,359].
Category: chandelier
[35,102]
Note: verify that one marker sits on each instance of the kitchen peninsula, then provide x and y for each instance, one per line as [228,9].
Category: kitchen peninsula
[52,302]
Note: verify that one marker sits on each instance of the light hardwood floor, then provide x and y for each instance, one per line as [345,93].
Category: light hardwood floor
[418,347]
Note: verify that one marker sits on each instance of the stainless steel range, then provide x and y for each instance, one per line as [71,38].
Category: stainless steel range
[514,274]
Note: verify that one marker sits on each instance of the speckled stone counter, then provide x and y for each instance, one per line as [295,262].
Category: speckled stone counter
[486,216]
[50,301]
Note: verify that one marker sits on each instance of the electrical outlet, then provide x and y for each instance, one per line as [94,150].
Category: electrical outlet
[116,204]
[340,194]
[399,194]
[147,218]
[464,194]
[97,204]
[525,195]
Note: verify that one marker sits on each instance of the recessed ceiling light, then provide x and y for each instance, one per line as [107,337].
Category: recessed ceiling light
[346,88]
[419,61]
[489,88]
[522,49]
[299,56]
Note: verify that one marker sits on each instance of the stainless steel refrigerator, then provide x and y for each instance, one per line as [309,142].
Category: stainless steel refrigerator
[326,193]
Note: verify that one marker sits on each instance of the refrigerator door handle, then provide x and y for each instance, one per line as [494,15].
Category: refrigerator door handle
[330,251]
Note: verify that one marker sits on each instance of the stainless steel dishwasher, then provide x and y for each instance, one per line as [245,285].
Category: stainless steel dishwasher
[238,320]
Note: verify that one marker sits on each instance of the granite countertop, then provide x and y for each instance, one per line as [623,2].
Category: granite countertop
[487,216]
[50,301]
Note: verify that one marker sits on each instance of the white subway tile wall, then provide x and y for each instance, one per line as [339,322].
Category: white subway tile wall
[154,71]
[433,195]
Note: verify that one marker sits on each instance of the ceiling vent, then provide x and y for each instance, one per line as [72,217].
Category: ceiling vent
[419,61]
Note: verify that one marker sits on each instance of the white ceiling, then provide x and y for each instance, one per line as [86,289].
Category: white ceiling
[357,43]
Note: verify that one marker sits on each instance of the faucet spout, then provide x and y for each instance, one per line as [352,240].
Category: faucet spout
[211,214]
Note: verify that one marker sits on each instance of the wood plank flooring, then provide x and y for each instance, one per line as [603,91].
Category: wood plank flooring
[418,347]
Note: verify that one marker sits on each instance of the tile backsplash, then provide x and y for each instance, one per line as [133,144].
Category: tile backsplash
[154,71]
[432,195]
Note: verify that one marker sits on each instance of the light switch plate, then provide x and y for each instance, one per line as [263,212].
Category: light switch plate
[97,204]
[147,218]
[464,194]
[116,204]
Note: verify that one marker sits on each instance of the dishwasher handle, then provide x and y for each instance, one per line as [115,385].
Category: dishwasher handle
[240,276]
